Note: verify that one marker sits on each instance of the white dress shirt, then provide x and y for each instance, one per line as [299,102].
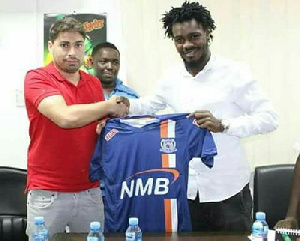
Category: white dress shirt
[228,90]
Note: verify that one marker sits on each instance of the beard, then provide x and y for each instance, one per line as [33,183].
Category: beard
[201,61]
[72,69]
[106,82]
[192,64]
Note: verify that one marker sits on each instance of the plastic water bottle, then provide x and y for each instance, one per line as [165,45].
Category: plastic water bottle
[260,227]
[133,232]
[40,232]
[95,233]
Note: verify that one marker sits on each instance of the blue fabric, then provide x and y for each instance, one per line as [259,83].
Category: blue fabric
[119,90]
[130,160]
[122,90]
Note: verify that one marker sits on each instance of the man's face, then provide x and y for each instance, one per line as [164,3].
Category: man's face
[191,42]
[106,63]
[68,51]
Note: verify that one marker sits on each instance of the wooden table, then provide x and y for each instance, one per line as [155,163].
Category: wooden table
[158,236]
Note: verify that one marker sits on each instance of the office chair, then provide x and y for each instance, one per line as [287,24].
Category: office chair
[271,191]
[12,204]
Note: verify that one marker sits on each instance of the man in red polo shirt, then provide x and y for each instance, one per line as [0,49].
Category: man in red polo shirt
[63,105]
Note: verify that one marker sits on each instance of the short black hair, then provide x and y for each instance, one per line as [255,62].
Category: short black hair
[104,45]
[66,24]
[187,12]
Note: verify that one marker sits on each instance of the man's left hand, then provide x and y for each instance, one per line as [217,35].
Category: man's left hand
[100,125]
[206,120]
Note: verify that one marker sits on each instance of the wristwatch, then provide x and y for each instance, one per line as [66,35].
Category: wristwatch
[225,124]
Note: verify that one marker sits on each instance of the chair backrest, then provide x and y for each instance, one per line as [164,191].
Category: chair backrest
[271,191]
[12,204]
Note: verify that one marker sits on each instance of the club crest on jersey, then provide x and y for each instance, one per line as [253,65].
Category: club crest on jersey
[168,145]
[111,134]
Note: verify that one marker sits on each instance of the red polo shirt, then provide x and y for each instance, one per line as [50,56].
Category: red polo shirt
[59,159]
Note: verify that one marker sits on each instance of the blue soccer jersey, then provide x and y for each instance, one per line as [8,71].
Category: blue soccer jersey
[145,170]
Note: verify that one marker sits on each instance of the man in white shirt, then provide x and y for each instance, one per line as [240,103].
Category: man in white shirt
[228,102]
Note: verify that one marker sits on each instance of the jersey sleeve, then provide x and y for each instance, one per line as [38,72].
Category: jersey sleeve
[209,149]
[96,170]
[201,144]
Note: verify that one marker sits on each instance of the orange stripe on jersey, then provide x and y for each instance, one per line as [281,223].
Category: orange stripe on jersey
[165,160]
[168,221]
[164,134]
[164,129]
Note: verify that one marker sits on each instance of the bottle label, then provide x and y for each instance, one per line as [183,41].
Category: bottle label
[93,239]
[130,236]
[257,239]
[40,239]
[139,236]
[259,230]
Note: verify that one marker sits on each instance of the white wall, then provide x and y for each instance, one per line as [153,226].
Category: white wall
[263,33]
[21,49]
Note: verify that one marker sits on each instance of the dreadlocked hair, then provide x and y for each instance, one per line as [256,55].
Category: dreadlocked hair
[187,12]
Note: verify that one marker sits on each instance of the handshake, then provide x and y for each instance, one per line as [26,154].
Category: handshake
[121,99]
[119,106]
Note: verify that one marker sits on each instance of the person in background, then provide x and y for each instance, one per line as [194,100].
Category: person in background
[64,105]
[292,216]
[106,64]
[224,98]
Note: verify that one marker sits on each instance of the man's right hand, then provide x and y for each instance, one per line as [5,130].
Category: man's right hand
[124,100]
[118,108]
[289,222]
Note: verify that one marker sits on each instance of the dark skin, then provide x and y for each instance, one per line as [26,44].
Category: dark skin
[106,63]
[291,219]
[192,43]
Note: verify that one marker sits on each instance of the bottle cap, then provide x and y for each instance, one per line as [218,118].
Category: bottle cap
[39,220]
[260,216]
[95,225]
[133,221]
